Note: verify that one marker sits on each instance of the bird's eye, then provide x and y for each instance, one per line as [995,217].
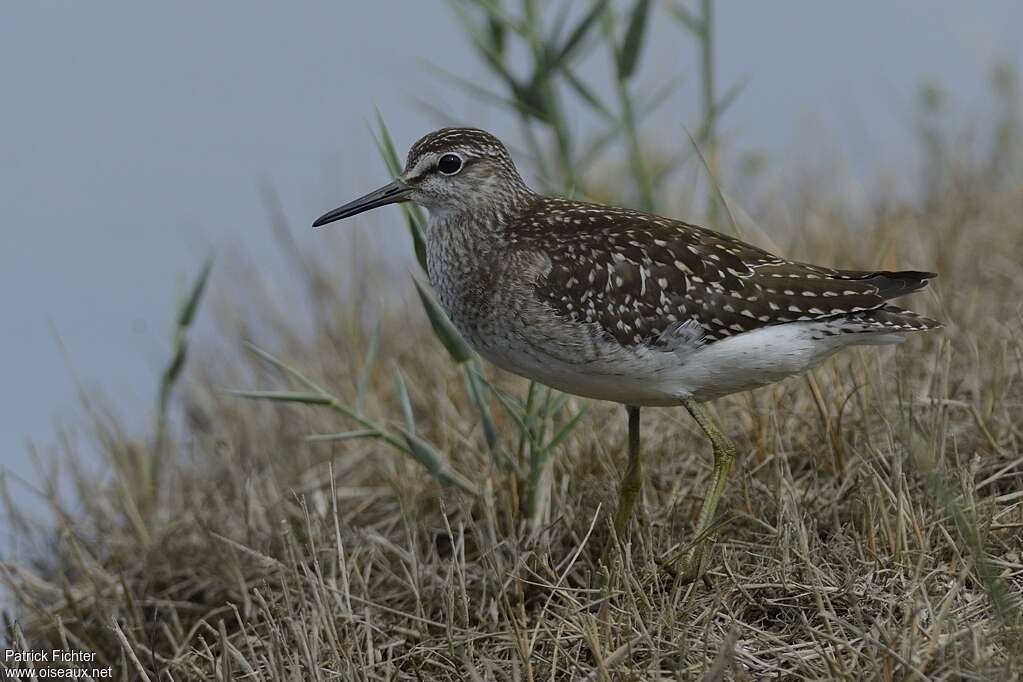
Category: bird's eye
[449,164]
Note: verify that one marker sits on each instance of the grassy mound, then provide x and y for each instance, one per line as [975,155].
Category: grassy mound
[871,530]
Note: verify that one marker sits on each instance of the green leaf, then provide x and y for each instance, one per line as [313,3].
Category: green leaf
[629,56]
[285,397]
[458,349]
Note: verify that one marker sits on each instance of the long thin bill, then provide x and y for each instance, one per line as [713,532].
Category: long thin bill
[391,193]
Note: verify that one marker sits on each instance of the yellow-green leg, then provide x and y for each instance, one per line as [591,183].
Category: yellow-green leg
[632,483]
[724,455]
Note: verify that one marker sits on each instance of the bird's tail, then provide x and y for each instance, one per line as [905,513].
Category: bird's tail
[892,284]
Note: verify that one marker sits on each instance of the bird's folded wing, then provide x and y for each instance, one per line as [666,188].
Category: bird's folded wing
[637,276]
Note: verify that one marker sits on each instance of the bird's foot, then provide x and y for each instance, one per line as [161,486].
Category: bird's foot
[689,567]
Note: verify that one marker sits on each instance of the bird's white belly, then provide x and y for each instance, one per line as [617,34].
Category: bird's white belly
[757,358]
[653,377]
[632,380]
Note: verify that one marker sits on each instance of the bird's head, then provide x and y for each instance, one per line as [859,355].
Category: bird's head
[449,171]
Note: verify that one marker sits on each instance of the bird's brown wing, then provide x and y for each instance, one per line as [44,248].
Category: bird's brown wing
[641,277]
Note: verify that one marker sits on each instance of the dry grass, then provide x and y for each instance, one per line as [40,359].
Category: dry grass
[871,530]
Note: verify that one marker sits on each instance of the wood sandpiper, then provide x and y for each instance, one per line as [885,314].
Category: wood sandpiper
[618,305]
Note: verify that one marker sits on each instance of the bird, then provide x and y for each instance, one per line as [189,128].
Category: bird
[620,305]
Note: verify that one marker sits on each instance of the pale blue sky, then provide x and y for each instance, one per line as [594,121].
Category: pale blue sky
[134,135]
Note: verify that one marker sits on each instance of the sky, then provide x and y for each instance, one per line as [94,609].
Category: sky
[135,136]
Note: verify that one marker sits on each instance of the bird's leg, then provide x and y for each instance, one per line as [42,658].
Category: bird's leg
[724,455]
[633,481]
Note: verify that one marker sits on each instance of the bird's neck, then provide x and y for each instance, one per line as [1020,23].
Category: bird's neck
[476,229]
[466,249]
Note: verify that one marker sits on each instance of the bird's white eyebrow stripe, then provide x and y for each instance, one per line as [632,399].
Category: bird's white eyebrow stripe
[423,164]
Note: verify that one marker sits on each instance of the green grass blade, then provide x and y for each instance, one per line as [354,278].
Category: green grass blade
[458,349]
[385,144]
[535,408]
[633,42]
[649,105]
[285,396]
[481,41]
[362,385]
[513,406]
[559,23]
[587,94]
[496,14]
[343,435]
[496,33]
[536,393]
[649,102]
[477,91]
[564,431]
[191,303]
[425,454]
[581,30]
[172,372]
[321,398]
[716,186]
[406,404]
[693,23]
[480,399]
[534,96]
[730,96]
[557,404]
[186,314]
[515,402]
[413,214]
[308,383]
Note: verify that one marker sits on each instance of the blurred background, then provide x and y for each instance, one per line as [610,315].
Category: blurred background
[137,138]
